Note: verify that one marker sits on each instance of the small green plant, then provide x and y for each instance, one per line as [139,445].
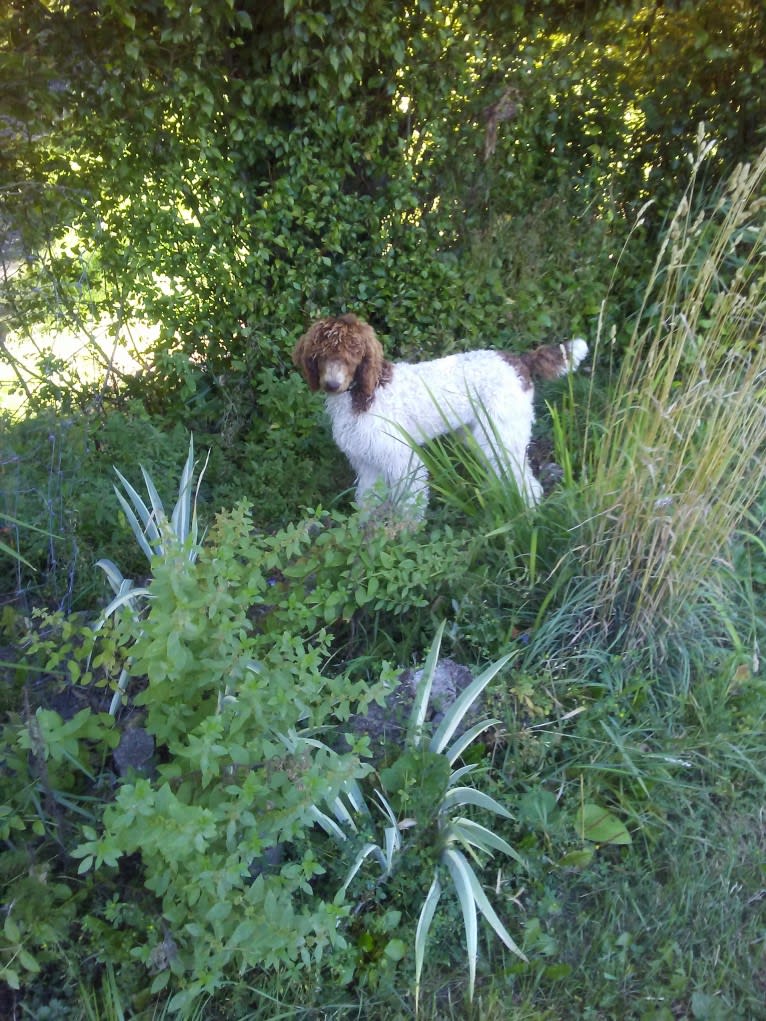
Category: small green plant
[427,782]
[157,536]
[233,710]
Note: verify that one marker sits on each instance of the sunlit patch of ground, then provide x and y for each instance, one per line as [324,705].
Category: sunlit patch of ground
[70,358]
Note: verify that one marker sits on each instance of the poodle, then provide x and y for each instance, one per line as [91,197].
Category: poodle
[381,410]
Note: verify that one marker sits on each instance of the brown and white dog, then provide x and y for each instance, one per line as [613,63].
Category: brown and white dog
[381,410]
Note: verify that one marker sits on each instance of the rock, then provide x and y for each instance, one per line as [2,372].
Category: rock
[135,751]
[387,724]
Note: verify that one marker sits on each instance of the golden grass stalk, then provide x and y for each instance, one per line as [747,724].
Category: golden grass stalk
[682,454]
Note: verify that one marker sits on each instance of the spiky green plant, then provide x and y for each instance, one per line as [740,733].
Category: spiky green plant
[157,536]
[679,459]
[454,832]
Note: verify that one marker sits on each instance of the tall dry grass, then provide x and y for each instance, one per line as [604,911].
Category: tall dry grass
[681,456]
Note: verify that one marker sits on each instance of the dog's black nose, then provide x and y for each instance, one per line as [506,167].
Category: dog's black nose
[331,386]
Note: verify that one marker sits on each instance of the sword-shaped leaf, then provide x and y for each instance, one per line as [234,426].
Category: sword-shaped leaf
[421,933]
[423,693]
[474,833]
[461,872]
[454,715]
[458,796]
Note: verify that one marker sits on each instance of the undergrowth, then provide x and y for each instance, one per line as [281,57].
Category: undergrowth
[164,858]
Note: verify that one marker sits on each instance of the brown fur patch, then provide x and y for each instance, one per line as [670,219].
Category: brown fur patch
[547,362]
[519,365]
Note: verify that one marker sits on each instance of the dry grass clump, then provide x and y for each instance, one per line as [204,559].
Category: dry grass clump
[681,456]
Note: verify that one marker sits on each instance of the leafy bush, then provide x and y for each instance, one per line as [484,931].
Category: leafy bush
[229,208]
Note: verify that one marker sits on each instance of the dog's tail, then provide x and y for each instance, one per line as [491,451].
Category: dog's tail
[554,360]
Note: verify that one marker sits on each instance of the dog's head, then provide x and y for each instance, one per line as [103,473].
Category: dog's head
[341,354]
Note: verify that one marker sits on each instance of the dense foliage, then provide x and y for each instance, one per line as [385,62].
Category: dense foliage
[230,170]
[194,820]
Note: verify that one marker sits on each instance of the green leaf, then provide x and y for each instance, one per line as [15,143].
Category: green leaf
[11,976]
[601,826]
[421,933]
[395,949]
[454,716]
[537,808]
[85,865]
[578,859]
[423,693]
[28,962]
[11,930]
[459,870]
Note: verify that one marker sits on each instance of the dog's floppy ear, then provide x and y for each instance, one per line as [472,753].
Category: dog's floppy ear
[304,361]
[370,369]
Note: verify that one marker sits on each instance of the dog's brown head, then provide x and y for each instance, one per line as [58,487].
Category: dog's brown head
[342,354]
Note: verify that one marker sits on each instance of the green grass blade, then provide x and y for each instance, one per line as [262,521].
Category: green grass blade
[5,548]
[25,524]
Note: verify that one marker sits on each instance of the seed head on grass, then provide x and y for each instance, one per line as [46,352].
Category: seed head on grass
[680,458]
